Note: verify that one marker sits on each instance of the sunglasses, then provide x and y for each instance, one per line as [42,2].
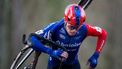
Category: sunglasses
[73,27]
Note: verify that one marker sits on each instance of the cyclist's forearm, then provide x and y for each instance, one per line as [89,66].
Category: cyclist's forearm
[101,41]
[38,46]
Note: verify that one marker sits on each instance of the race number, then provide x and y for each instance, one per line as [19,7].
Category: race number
[39,32]
[98,29]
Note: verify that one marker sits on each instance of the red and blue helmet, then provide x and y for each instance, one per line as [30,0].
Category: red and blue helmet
[75,15]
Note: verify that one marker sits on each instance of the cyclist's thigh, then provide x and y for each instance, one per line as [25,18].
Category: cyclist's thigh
[73,66]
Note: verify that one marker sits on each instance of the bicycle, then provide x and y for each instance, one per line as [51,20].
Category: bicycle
[16,63]
[28,45]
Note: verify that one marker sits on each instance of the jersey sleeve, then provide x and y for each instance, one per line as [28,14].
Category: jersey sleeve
[46,31]
[37,45]
[97,32]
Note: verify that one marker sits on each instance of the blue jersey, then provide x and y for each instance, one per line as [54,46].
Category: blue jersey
[56,31]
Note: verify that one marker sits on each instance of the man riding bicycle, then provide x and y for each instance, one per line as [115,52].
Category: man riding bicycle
[69,32]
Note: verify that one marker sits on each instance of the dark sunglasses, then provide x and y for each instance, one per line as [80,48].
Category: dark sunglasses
[72,27]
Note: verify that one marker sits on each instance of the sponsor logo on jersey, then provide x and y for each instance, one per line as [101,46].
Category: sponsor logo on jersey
[69,44]
[98,29]
[62,30]
[62,36]
[78,37]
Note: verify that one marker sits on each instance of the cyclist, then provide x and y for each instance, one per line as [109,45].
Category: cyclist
[69,32]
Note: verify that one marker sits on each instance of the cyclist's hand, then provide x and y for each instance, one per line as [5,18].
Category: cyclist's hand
[64,56]
[93,60]
[59,54]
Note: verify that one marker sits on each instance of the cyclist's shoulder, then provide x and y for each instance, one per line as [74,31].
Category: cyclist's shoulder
[83,28]
[54,25]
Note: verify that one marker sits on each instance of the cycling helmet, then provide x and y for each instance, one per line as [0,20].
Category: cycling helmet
[74,15]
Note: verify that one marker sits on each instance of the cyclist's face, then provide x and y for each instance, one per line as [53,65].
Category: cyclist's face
[71,30]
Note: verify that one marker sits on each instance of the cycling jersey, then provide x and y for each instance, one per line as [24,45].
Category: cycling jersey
[56,32]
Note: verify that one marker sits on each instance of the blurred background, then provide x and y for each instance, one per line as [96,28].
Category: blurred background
[18,17]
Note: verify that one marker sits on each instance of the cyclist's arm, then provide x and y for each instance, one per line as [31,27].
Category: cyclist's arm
[98,32]
[37,45]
